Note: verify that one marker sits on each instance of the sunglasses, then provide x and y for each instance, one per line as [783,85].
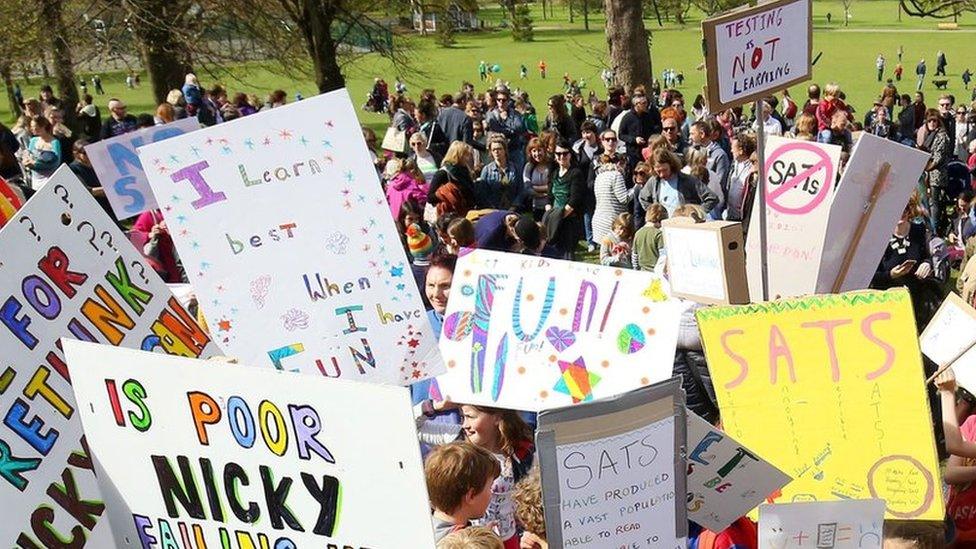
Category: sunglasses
[946,105]
[562,153]
[609,139]
[669,128]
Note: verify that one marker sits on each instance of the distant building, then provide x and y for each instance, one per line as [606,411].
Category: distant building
[464,17]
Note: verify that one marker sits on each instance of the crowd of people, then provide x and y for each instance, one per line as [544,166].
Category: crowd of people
[587,175]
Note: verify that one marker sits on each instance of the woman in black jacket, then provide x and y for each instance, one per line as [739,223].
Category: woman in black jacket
[451,187]
[567,196]
[559,120]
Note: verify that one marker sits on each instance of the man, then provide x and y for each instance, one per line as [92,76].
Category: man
[940,63]
[947,112]
[920,74]
[504,119]
[879,63]
[97,82]
[671,130]
[881,125]
[455,123]
[718,160]
[637,126]
[813,99]
[919,106]
[587,146]
[89,118]
[47,97]
[906,121]
[119,122]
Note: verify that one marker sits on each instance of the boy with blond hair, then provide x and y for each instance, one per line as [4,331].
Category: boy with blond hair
[459,478]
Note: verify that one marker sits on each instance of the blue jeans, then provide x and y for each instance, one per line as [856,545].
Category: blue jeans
[588,227]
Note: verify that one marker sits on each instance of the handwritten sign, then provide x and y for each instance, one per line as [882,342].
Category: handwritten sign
[755,51]
[120,171]
[726,480]
[845,524]
[529,333]
[270,460]
[830,390]
[611,470]
[67,272]
[286,235]
[950,339]
[848,210]
[800,186]
[706,261]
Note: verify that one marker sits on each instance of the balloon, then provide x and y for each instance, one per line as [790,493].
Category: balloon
[496,68]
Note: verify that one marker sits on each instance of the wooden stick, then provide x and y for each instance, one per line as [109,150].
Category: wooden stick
[949,364]
[861,226]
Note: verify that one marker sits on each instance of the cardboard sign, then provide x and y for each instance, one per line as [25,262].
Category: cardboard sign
[830,390]
[845,524]
[270,460]
[529,333]
[860,226]
[800,188]
[611,470]
[755,51]
[950,339]
[120,171]
[706,261]
[286,235]
[726,480]
[66,271]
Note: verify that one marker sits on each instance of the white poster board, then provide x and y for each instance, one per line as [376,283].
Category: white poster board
[66,271]
[755,51]
[286,236]
[613,470]
[531,333]
[950,339]
[801,181]
[726,480]
[843,524]
[120,171]
[268,455]
[848,209]
[695,259]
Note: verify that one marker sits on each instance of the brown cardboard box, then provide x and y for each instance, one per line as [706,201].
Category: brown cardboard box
[706,261]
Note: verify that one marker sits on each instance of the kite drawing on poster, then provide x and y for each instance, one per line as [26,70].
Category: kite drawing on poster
[529,333]
[287,238]
[830,390]
[263,462]
[116,162]
[725,479]
[844,524]
[67,272]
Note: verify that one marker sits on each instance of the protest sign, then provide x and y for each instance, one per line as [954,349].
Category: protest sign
[66,271]
[287,237]
[122,175]
[845,524]
[530,333]
[800,186]
[706,261]
[950,339]
[725,479]
[755,51]
[830,390]
[271,460]
[10,202]
[611,470]
[873,192]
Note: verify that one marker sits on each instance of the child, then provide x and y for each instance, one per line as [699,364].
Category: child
[509,439]
[440,229]
[529,512]
[460,234]
[407,185]
[476,537]
[616,246]
[459,484]
[649,240]
[959,469]
[421,246]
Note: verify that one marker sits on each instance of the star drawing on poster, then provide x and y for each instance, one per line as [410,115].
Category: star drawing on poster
[576,381]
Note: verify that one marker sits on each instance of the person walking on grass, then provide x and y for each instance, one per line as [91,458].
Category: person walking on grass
[879,63]
[920,74]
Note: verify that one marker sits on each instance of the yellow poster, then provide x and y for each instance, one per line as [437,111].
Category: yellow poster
[830,390]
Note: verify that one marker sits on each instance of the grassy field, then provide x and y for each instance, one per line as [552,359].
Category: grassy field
[848,55]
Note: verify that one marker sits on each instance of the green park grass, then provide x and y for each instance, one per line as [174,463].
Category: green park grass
[848,56]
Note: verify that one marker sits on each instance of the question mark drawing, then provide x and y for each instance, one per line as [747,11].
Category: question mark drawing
[64,198]
[109,241]
[142,270]
[31,229]
[92,239]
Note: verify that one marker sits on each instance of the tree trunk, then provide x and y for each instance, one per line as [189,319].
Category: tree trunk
[8,83]
[64,69]
[570,3]
[165,56]
[322,48]
[627,40]
[657,13]
[586,15]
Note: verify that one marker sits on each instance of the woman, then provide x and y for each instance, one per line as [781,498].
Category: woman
[564,219]
[612,195]
[536,176]
[451,187]
[244,107]
[43,152]
[408,185]
[938,144]
[81,166]
[192,94]
[427,162]
[500,184]
[559,121]
[175,98]
[426,116]
[403,120]
[165,113]
[151,235]
[673,189]
[738,190]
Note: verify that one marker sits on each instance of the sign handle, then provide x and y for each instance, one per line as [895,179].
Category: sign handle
[879,184]
[761,197]
[948,364]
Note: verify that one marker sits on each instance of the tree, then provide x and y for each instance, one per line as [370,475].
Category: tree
[17,36]
[939,9]
[164,30]
[628,42]
[445,28]
[522,23]
[52,19]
